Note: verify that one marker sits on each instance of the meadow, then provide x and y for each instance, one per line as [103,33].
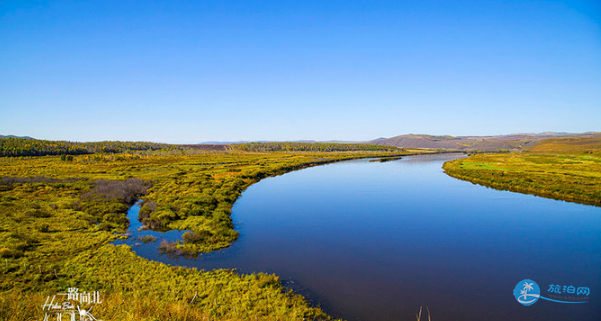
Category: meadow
[564,169]
[59,215]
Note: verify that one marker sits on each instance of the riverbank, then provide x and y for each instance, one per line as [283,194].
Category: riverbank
[572,177]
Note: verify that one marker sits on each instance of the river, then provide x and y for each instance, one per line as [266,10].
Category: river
[376,241]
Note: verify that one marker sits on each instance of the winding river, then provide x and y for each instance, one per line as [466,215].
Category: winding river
[375,241]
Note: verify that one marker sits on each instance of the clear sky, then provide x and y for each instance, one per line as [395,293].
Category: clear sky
[193,71]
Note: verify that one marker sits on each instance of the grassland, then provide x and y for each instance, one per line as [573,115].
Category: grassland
[566,169]
[58,218]
[569,145]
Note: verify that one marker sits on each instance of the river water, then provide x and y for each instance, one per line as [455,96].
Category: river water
[376,241]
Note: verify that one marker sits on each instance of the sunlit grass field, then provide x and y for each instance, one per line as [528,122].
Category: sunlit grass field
[59,216]
[573,177]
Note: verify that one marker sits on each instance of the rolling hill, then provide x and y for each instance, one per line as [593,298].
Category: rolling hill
[510,142]
[13,136]
[591,144]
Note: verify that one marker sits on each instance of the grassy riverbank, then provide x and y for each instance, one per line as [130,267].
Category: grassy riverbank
[58,217]
[552,170]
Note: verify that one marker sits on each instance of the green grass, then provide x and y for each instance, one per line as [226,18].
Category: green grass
[58,219]
[574,177]
[569,145]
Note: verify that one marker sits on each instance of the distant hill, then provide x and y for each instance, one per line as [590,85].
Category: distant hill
[510,142]
[13,136]
[587,144]
[222,142]
[254,141]
[11,145]
[208,147]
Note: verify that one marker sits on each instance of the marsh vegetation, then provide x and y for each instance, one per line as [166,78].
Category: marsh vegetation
[58,219]
[574,177]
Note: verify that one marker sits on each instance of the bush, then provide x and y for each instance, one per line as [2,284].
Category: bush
[169,248]
[196,237]
[152,223]
[146,210]
[148,239]
[5,252]
[268,280]
[39,213]
[127,191]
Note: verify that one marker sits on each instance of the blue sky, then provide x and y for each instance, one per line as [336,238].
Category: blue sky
[193,71]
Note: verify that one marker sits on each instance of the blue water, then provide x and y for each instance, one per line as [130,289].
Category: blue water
[136,233]
[375,241]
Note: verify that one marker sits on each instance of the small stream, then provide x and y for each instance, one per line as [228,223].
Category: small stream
[138,237]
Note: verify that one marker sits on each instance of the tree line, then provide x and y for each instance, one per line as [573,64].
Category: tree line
[313,147]
[36,147]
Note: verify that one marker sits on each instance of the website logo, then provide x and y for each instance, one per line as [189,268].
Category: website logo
[527,292]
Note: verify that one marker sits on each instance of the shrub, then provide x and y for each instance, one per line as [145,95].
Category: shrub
[39,213]
[5,252]
[169,248]
[127,191]
[152,223]
[148,239]
[146,210]
[196,237]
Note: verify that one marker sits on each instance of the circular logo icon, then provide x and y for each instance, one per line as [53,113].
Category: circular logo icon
[526,292]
